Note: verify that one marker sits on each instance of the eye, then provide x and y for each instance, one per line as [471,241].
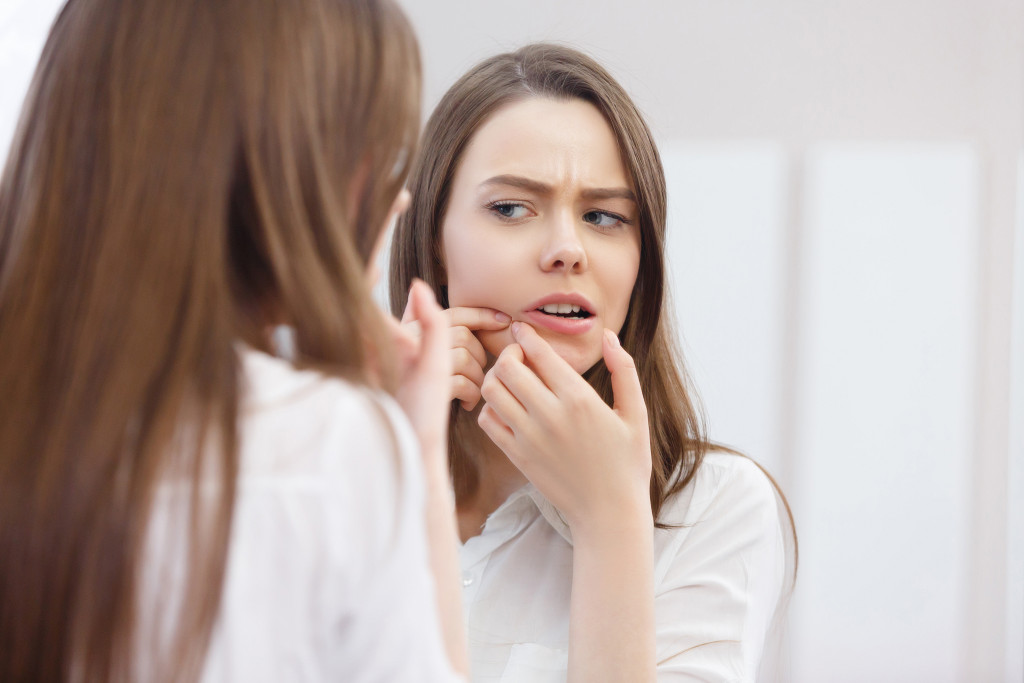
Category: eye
[604,219]
[509,211]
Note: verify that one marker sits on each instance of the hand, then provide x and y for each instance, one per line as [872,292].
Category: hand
[591,461]
[424,367]
[423,344]
[467,353]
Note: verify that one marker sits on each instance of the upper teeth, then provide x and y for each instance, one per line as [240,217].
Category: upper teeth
[560,308]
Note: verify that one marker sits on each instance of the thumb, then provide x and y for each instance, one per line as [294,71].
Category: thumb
[629,398]
[435,341]
[407,314]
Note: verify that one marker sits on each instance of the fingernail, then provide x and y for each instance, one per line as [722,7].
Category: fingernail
[502,317]
[613,338]
[515,330]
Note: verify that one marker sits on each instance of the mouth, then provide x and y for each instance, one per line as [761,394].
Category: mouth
[565,310]
[563,313]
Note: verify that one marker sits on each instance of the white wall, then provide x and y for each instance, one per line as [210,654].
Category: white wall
[846,236]
[23,28]
[1015,489]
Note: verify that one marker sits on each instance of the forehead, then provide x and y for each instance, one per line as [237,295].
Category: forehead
[553,141]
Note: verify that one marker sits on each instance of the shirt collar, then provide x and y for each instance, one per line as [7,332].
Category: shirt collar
[549,512]
[508,513]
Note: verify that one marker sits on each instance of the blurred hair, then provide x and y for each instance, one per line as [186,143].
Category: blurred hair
[184,174]
[678,439]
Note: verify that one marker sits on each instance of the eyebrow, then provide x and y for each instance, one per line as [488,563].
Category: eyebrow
[595,193]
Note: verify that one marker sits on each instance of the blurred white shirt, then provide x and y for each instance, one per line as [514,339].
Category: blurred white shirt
[718,579]
[328,576]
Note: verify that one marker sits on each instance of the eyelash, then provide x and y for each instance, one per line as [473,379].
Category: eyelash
[609,214]
[494,206]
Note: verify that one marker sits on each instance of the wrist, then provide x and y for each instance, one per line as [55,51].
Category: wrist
[616,525]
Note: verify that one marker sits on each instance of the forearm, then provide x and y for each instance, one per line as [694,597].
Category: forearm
[442,535]
[611,629]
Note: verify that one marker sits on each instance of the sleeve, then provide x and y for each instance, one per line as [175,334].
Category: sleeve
[390,630]
[716,599]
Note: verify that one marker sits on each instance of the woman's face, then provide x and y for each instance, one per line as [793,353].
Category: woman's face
[542,225]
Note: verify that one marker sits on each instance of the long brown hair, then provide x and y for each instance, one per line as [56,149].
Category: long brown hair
[678,438]
[183,174]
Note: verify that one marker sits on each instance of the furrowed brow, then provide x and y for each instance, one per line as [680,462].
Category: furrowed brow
[538,187]
[609,193]
[518,181]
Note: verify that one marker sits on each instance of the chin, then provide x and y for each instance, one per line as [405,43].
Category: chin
[572,352]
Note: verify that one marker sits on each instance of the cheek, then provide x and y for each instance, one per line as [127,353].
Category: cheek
[620,277]
[480,272]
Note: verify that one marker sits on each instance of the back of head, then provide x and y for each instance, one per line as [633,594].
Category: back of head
[184,173]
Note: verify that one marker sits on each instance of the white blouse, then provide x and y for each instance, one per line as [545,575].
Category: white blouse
[327,576]
[718,579]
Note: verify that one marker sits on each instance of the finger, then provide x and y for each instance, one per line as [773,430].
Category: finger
[465,392]
[407,313]
[501,400]
[407,343]
[463,363]
[629,397]
[477,318]
[522,383]
[436,340]
[548,365]
[496,429]
[462,337]
[402,202]
[412,327]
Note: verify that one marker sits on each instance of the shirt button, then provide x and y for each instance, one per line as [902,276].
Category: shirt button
[467,579]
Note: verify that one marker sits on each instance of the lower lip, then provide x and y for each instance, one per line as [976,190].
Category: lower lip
[561,325]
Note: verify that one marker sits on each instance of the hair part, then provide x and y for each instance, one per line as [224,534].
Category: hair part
[184,173]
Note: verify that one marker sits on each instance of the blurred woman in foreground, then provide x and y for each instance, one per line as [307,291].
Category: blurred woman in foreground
[176,502]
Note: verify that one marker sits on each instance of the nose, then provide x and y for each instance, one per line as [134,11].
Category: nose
[563,250]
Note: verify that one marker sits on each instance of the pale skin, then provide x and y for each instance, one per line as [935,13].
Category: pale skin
[541,213]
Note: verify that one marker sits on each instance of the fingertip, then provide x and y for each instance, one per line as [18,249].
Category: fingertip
[416,288]
[425,299]
[615,356]
[403,200]
[407,312]
[612,339]
[484,416]
[522,332]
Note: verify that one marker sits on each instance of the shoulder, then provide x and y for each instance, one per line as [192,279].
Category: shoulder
[335,457]
[299,421]
[729,509]
[725,482]
[719,571]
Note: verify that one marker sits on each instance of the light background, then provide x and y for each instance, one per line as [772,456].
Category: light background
[846,186]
